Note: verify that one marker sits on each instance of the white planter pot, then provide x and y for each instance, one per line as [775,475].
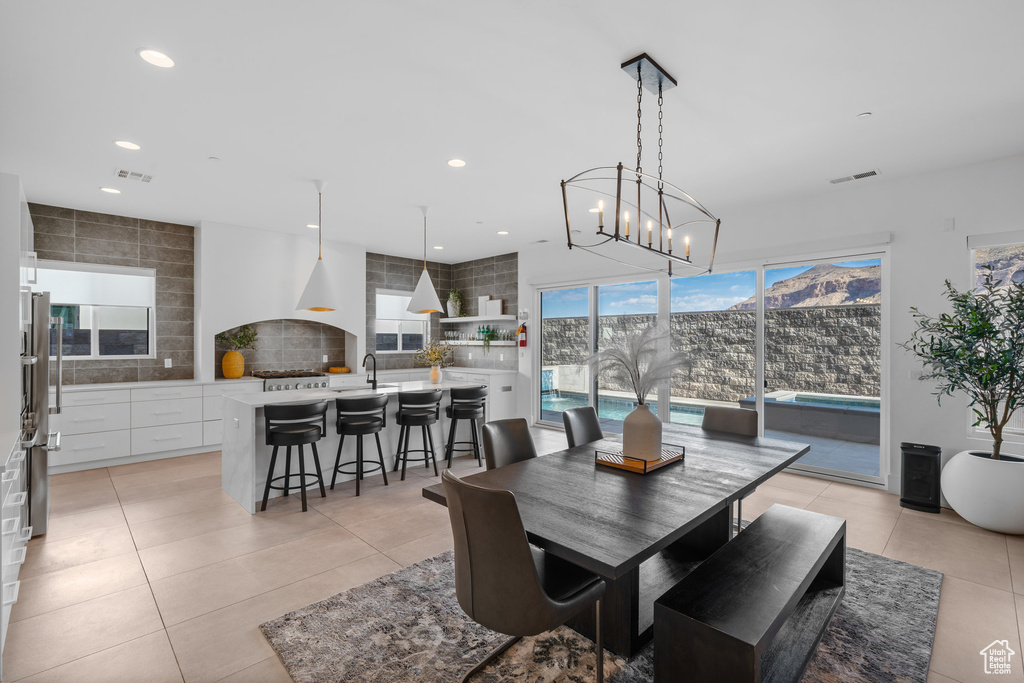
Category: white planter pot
[641,434]
[986,492]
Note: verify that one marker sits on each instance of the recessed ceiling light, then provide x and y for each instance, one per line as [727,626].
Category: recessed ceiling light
[155,57]
[213,158]
[313,225]
[124,144]
[503,232]
[110,190]
[863,115]
[439,247]
[456,163]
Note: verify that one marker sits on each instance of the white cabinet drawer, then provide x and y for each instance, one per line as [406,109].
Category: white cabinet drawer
[167,438]
[213,432]
[78,448]
[232,388]
[164,393]
[86,419]
[92,398]
[454,375]
[348,380]
[169,412]
[213,406]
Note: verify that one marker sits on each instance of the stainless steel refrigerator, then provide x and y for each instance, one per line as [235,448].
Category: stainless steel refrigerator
[38,440]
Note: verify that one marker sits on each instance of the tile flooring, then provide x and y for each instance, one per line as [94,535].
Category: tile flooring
[151,573]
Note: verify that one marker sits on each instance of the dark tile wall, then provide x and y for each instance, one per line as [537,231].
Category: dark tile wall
[291,345]
[86,237]
[497,277]
[402,274]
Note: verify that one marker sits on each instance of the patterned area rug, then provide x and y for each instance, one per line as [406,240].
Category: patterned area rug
[408,626]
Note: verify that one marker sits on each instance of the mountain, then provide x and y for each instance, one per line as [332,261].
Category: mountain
[1007,263]
[824,285]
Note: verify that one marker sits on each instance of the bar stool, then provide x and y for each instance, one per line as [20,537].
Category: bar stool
[468,403]
[295,425]
[360,417]
[417,409]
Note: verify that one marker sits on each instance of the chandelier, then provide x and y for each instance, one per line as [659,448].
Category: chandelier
[648,213]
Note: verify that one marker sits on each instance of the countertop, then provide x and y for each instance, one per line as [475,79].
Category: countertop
[152,385]
[303,395]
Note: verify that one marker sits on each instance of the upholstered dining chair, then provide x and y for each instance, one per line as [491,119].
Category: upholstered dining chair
[505,584]
[507,442]
[733,421]
[581,426]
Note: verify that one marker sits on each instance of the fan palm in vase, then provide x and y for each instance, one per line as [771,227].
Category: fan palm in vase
[639,360]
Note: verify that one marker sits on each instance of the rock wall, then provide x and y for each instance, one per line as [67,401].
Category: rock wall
[831,350]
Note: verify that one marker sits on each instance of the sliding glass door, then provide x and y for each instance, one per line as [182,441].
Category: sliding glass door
[623,309]
[823,363]
[565,345]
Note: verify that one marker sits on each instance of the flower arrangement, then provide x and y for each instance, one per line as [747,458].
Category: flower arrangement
[435,354]
[244,337]
[639,360]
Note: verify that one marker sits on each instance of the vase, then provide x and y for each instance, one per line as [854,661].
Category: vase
[641,434]
[986,492]
[233,364]
[435,374]
[454,310]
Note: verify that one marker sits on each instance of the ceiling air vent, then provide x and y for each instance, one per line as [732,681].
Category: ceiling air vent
[540,242]
[855,176]
[132,175]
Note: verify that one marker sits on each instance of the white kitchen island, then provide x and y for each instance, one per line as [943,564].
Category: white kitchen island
[245,455]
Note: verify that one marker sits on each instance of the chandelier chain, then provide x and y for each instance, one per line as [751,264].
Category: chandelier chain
[639,125]
[661,183]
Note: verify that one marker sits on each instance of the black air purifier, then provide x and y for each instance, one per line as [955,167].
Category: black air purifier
[919,489]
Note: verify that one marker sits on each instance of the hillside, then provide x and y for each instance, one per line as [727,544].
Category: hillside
[1007,262]
[824,285]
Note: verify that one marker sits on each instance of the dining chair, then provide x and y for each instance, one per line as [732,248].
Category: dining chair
[733,421]
[507,441]
[581,426]
[505,584]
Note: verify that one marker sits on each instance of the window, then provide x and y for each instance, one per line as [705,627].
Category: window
[396,329]
[107,311]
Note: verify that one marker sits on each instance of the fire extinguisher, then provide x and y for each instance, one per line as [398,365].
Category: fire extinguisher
[521,333]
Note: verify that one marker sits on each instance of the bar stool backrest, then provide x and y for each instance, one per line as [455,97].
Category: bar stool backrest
[363,405]
[469,395]
[420,401]
[295,413]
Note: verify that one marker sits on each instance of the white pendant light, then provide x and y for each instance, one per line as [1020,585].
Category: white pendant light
[318,295]
[424,299]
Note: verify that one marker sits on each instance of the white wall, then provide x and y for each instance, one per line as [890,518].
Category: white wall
[981,198]
[10,271]
[245,275]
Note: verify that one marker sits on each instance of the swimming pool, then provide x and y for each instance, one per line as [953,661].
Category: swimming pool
[834,401]
[612,408]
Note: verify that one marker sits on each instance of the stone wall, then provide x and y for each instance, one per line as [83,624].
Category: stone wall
[832,350]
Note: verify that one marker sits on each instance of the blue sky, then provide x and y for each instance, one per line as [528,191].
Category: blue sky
[714,292]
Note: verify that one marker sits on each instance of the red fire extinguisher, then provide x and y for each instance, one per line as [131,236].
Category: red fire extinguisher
[521,333]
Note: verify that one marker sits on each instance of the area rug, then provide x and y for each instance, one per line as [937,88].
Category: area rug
[408,626]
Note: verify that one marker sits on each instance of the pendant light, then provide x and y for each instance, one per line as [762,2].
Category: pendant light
[424,299]
[318,294]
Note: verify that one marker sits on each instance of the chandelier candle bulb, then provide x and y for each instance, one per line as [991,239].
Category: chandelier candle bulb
[650,227]
[670,240]
[625,216]
[686,240]
[600,214]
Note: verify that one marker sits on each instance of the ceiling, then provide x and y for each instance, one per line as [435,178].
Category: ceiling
[375,97]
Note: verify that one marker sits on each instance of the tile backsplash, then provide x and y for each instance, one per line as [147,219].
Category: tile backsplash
[62,234]
[290,345]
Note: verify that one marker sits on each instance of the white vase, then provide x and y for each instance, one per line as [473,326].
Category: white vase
[986,492]
[453,308]
[641,434]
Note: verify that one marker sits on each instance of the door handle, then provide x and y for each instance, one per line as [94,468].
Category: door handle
[53,442]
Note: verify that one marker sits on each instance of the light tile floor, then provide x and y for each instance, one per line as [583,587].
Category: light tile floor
[150,573]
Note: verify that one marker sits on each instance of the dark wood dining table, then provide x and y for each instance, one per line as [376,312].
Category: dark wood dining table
[641,532]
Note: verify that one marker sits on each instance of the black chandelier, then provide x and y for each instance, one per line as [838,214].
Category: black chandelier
[658,208]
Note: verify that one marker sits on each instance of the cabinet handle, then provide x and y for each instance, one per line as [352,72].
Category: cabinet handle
[16,499]
[24,536]
[10,525]
[11,592]
[11,474]
[18,456]
[167,412]
[17,556]
[89,419]
[89,448]
[167,438]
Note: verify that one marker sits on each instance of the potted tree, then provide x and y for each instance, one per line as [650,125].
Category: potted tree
[437,355]
[639,360]
[978,350]
[244,337]
[455,304]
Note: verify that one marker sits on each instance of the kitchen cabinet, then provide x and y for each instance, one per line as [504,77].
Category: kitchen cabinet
[13,486]
[501,390]
[213,406]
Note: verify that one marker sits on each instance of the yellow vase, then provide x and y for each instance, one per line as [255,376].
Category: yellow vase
[435,374]
[233,364]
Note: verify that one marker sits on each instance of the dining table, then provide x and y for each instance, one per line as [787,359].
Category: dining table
[642,533]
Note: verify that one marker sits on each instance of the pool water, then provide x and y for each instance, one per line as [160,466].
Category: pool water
[611,408]
[835,401]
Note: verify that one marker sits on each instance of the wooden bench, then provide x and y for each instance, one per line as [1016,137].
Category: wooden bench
[757,608]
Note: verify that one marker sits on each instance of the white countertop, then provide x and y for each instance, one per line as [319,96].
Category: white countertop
[152,385]
[306,395]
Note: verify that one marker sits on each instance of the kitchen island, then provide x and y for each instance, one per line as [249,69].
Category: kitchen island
[245,455]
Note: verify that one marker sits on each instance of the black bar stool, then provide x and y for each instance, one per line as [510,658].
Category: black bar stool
[359,417]
[295,425]
[417,409]
[468,403]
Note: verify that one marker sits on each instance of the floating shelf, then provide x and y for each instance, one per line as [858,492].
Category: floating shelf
[461,342]
[480,319]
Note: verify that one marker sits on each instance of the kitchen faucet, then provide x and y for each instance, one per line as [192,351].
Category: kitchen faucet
[372,382]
